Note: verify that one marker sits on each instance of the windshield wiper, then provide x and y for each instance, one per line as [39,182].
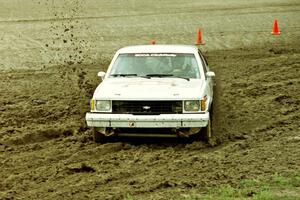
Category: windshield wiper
[159,75]
[123,75]
[167,75]
[127,75]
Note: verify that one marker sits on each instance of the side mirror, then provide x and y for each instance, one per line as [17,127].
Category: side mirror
[210,74]
[101,75]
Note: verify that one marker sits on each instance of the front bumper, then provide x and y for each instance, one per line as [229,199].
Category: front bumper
[147,121]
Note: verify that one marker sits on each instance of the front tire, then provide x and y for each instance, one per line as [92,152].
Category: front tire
[98,136]
[207,132]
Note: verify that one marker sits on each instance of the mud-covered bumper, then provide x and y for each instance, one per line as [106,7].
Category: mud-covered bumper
[147,121]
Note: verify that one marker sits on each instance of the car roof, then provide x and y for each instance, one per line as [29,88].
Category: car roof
[161,48]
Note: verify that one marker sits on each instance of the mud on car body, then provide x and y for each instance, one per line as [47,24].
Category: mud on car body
[153,87]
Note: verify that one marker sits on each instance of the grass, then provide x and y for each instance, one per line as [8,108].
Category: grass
[277,187]
[128,197]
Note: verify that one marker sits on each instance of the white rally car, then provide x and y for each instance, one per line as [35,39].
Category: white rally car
[153,90]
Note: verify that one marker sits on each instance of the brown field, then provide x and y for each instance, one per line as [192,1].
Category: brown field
[51,51]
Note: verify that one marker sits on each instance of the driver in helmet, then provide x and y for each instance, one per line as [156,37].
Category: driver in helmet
[179,66]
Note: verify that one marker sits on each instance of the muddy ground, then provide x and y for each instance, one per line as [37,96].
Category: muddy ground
[47,151]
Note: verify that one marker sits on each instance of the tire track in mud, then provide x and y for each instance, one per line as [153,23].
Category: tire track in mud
[57,158]
[252,90]
[262,92]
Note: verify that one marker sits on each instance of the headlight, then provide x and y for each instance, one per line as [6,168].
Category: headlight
[192,105]
[103,105]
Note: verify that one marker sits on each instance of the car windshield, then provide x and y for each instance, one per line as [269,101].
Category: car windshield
[156,65]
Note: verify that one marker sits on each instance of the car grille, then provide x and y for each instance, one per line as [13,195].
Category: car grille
[147,107]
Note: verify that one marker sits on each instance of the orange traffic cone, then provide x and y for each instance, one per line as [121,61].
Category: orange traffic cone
[152,42]
[199,38]
[275,28]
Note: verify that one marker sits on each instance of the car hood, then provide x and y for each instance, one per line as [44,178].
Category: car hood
[152,89]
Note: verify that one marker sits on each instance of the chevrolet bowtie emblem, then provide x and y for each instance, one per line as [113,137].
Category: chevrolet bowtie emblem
[146,107]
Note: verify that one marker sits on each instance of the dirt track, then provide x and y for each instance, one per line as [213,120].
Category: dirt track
[47,152]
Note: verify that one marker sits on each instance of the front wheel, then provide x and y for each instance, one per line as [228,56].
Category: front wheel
[206,132]
[98,136]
